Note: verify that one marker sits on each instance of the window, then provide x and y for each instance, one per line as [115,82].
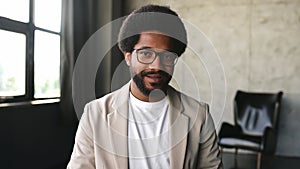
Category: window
[30,49]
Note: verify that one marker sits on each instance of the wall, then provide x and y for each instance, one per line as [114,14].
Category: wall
[33,137]
[258,46]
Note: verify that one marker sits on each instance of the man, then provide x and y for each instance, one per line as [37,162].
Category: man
[147,123]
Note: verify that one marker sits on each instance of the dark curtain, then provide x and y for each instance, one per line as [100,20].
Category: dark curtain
[80,19]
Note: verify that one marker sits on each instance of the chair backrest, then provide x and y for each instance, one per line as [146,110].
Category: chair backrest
[253,112]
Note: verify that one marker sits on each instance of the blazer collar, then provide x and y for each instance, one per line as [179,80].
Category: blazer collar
[118,127]
[179,125]
[118,124]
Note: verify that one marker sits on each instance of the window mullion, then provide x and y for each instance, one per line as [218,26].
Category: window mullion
[10,25]
[46,30]
[30,54]
[30,63]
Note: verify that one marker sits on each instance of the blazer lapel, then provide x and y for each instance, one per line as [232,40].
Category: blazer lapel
[117,121]
[179,124]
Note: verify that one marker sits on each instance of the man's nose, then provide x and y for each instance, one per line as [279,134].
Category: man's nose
[156,64]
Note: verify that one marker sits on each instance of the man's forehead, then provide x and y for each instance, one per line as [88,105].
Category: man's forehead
[155,40]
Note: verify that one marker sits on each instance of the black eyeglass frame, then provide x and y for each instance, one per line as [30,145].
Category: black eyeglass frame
[156,54]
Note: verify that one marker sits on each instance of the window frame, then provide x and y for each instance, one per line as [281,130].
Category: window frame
[28,29]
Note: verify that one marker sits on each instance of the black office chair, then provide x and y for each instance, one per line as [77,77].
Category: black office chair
[255,124]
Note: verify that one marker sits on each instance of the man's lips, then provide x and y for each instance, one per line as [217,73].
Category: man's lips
[154,75]
[153,78]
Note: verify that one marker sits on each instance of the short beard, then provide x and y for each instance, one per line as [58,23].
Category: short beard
[138,79]
[141,85]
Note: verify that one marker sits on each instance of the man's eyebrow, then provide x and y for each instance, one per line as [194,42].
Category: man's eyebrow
[147,47]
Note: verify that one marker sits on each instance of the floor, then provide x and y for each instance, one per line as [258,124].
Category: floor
[248,161]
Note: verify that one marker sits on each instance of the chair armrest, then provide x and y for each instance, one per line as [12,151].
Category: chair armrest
[269,141]
[229,130]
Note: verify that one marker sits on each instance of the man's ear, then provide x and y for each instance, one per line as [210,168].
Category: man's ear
[127,56]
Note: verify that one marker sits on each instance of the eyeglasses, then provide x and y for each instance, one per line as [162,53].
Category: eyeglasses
[148,55]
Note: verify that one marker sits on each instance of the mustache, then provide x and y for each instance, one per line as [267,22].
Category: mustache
[159,72]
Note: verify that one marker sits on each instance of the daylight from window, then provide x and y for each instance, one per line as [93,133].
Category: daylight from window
[15,9]
[46,49]
[48,14]
[12,65]
[46,65]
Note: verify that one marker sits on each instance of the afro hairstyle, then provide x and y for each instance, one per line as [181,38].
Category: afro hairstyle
[152,18]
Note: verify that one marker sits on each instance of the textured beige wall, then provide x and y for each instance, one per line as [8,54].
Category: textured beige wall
[258,42]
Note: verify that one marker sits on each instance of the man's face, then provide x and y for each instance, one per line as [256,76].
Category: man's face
[155,75]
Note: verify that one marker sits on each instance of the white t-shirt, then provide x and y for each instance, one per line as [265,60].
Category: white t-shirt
[148,138]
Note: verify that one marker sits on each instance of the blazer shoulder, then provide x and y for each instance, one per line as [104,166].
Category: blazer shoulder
[108,102]
[187,100]
[188,105]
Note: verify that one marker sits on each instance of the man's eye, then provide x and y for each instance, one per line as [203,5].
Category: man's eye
[169,56]
[145,53]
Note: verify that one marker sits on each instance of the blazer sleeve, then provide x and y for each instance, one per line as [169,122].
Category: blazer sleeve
[209,152]
[83,152]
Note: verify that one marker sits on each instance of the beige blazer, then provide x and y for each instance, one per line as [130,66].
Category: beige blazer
[101,138]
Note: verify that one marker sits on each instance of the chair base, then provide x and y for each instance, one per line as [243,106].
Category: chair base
[258,163]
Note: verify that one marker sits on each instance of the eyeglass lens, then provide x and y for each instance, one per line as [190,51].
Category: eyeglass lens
[148,56]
